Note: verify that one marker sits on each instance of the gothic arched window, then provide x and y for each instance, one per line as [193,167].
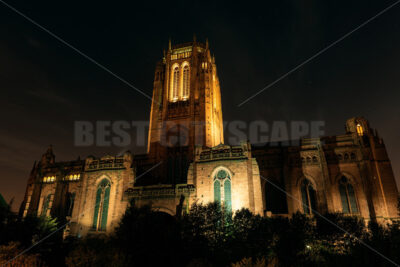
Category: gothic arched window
[101,205]
[46,205]
[175,84]
[308,196]
[223,190]
[186,83]
[347,195]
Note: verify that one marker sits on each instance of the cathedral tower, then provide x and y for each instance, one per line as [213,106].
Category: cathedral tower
[186,106]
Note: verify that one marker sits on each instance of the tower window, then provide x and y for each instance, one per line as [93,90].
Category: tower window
[308,196]
[347,195]
[175,84]
[186,83]
[360,130]
[101,205]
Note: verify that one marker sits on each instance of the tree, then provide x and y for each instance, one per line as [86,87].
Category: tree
[12,255]
[148,237]
[206,230]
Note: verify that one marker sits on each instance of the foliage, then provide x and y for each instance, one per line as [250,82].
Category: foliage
[9,253]
[249,262]
[209,236]
[19,234]
[205,230]
[147,237]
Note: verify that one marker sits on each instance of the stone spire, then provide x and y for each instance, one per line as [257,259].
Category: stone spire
[48,157]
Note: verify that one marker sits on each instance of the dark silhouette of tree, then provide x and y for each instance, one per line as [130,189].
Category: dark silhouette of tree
[148,238]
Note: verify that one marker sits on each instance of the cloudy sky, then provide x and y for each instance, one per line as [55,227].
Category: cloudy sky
[46,86]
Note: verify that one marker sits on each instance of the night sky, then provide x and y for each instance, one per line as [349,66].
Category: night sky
[46,86]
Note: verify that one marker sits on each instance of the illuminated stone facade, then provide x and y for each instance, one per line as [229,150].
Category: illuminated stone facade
[186,108]
[187,162]
[348,173]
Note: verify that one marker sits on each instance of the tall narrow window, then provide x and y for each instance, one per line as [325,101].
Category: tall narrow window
[222,190]
[227,195]
[308,196]
[360,130]
[217,191]
[70,203]
[46,205]
[175,84]
[101,205]
[186,83]
[347,195]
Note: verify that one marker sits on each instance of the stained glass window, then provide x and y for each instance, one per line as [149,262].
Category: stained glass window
[175,84]
[186,82]
[101,205]
[46,205]
[347,196]
[308,196]
[217,191]
[222,190]
[227,195]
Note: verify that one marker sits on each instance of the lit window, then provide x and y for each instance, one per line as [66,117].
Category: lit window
[222,180]
[49,179]
[347,195]
[186,82]
[28,202]
[73,177]
[308,196]
[360,130]
[101,205]
[175,84]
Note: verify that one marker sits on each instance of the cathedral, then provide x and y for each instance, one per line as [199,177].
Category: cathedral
[187,162]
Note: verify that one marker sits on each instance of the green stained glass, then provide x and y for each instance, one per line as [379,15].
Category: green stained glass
[343,197]
[352,199]
[105,209]
[222,174]
[97,207]
[227,196]
[217,191]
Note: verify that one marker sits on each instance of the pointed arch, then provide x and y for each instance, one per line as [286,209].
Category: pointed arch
[347,196]
[175,82]
[185,80]
[223,187]
[46,205]
[101,205]
[308,196]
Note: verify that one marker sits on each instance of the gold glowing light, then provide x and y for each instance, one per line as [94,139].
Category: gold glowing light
[360,130]
[73,177]
[49,179]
